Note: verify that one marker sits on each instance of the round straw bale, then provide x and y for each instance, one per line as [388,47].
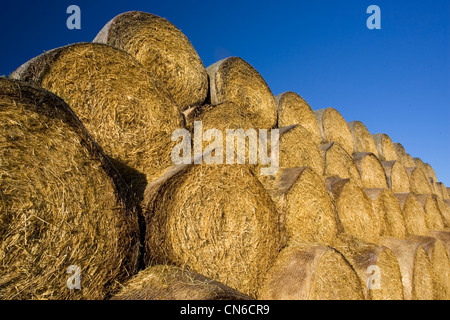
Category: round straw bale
[235,80]
[385,147]
[389,212]
[303,272]
[163,50]
[293,109]
[334,128]
[442,191]
[164,282]
[444,237]
[337,162]
[370,169]
[433,217]
[62,203]
[363,256]
[432,177]
[356,216]
[214,219]
[415,267]
[127,114]
[413,214]
[397,177]
[362,139]
[404,158]
[306,209]
[297,149]
[418,181]
[440,264]
[444,209]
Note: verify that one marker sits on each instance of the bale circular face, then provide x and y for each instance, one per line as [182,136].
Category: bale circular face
[293,109]
[164,282]
[363,140]
[304,272]
[63,205]
[376,266]
[218,220]
[334,128]
[385,147]
[235,80]
[126,112]
[337,162]
[163,50]
[370,170]
[356,216]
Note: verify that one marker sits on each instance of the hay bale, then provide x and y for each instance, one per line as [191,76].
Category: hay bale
[163,50]
[413,214]
[433,217]
[442,191]
[404,158]
[431,177]
[356,216]
[370,169]
[362,256]
[310,273]
[306,209]
[235,80]
[297,149]
[62,203]
[415,267]
[444,209]
[388,210]
[385,147]
[440,264]
[418,181]
[397,177]
[126,113]
[334,128]
[217,220]
[362,139]
[337,162]
[164,282]
[293,109]
[444,237]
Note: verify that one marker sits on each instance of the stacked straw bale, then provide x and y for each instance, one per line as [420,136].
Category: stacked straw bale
[370,169]
[397,177]
[444,237]
[235,80]
[163,50]
[306,209]
[404,158]
[433,217]
[413,214]
[388,209]
[337,162]
[440,264]
[62,203]
[311,273]
[418,180]
[126,112]
[334,128]
[442,190]
[385,147]
[217,220]
[356,216]
[293,109]
[362,139]
[363,256]
[415,268]
[432,177]
[164,282]
[444,209]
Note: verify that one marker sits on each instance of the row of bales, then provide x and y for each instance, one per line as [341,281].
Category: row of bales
[87,180]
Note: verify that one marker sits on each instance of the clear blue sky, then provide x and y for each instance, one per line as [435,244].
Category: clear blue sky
[396,80]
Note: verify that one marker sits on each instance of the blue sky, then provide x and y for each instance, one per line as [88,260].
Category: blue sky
[396,80]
